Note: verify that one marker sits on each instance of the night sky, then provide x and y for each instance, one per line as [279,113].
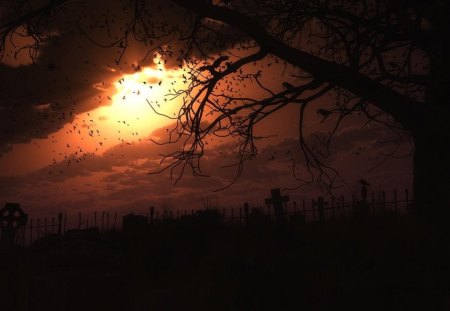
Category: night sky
[78,130]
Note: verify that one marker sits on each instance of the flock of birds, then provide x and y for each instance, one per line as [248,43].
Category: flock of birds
[83,130]
[85,139]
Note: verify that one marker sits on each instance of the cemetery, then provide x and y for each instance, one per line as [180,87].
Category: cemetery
[317,254]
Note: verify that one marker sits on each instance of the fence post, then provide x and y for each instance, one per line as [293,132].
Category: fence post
[246,211]
[407,200]
[395,202]
[38,228]
[103,220]
[107,221]
[304,208]
[31,230]
[333,212]
[373,202]
[23,236]
[59,224]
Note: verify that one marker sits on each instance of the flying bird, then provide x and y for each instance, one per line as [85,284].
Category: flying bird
[325,113]
[287,86]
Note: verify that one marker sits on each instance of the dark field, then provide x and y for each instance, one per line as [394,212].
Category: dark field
[378,263]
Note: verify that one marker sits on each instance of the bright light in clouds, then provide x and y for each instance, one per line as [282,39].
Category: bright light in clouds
[130,117]
[134,89]
[126,118]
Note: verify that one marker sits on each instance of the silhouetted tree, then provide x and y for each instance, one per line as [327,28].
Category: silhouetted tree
[388,60]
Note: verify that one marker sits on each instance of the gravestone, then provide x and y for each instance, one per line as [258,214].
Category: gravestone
[364,194]
[152,214]
[320,204]
[277,201]
[246,211]
[362,207]
[12,218]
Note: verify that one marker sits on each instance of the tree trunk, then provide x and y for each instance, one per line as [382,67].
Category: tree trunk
[432,166]
[432,143]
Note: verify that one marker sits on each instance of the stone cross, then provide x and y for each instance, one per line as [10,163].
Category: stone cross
[277,201]
[11,219]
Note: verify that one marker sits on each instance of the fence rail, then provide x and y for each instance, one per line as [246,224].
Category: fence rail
[320,209]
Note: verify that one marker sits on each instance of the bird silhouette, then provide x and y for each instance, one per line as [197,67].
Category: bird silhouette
[287,86]
[325,113]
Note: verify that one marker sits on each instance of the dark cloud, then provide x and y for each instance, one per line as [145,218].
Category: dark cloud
[76,57]
[62,77]
[118,179]
[65,90]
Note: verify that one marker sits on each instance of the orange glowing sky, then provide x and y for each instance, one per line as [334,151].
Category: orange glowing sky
[100,158]
[123,117]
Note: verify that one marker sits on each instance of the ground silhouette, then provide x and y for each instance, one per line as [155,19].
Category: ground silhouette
[383,262]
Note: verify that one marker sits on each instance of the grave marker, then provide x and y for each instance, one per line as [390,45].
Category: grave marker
[12,218]
[321,207]
[277,201]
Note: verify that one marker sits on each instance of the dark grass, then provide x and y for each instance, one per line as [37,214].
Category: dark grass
[370,263]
